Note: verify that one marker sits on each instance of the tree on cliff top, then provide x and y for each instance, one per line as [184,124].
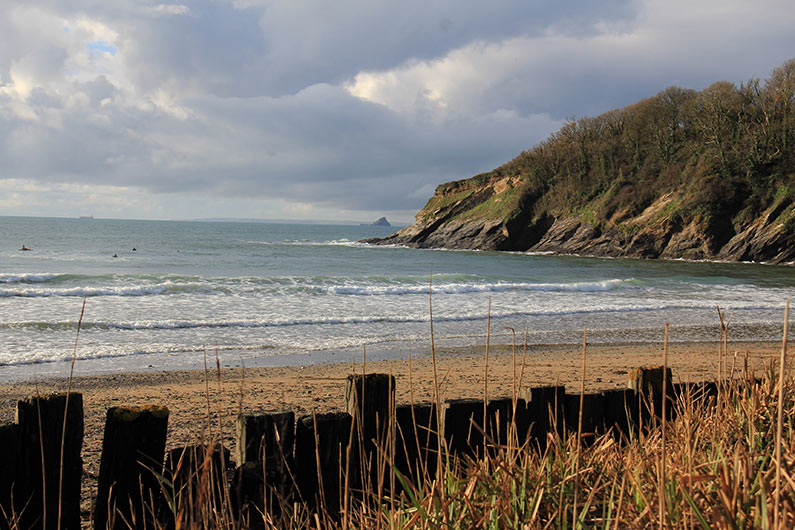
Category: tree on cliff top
[724,150]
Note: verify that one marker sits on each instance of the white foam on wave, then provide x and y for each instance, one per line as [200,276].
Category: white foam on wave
[464,288]
[30,286]
[92,292]
[151,325]
[331,243]
[134,337]
[343,242]
[27,278]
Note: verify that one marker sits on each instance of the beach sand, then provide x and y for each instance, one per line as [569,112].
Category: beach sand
[196,402]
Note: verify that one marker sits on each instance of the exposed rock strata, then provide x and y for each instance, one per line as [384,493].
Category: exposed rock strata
[468,215]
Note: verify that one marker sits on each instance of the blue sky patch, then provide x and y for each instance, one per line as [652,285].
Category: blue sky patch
[101,46]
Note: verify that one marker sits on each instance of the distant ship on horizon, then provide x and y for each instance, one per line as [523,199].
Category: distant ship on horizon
[86,217]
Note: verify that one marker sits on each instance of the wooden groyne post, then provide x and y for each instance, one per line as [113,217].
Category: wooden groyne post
[416,441]
[593,414]
[50,441]
[621,412]
[648,385]
[9,443]
[544,412]
[370,400]
[195,479]
[321,442]
[462,426]
[265,437]
[132,454]
[247,496]
[265,445]
[504,425]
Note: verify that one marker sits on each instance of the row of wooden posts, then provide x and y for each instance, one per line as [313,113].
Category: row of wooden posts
[283,459]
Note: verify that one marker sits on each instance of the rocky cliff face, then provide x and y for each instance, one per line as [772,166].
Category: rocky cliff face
[500,213]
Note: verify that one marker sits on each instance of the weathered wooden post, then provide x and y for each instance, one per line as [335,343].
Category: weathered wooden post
[696,392]
[417,441]
[544,409]
[621,412]
[709,388]
[268,440]
[42,472]
[264,436]
[648,384]
[9,454]
[247,495]
[462,426]
[132,459]
[647,379]
[195,481]
[593,414]
[502,424]
[321,443]
[370,400]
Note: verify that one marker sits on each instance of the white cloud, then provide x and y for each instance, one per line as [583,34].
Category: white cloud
[170,9]
[575,74]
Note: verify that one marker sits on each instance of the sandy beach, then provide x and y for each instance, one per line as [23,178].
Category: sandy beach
[199,405]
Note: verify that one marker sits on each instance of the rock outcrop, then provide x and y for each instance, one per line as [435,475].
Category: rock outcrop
[380,222]
[466,215]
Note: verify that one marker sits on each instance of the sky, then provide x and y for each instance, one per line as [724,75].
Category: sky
[344,110]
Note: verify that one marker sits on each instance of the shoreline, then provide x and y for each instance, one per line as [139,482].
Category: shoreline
[374,242]
[51,372]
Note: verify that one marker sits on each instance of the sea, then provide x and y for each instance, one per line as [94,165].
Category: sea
[125,295]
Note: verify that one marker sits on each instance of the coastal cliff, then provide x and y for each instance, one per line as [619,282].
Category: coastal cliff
[684,174]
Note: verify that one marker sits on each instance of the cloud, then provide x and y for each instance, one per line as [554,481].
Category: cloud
[342,107]
[573,74]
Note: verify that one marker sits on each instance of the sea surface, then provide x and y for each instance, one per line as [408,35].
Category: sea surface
[165,295]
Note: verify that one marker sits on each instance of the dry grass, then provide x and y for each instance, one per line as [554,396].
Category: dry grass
[720,473]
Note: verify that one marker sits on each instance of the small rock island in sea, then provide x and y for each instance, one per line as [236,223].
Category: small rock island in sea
[381,222]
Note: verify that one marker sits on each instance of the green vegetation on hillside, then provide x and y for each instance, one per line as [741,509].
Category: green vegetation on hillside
[683,174]
[726,150]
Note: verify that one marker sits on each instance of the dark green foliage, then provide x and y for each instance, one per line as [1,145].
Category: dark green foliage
[725,154]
